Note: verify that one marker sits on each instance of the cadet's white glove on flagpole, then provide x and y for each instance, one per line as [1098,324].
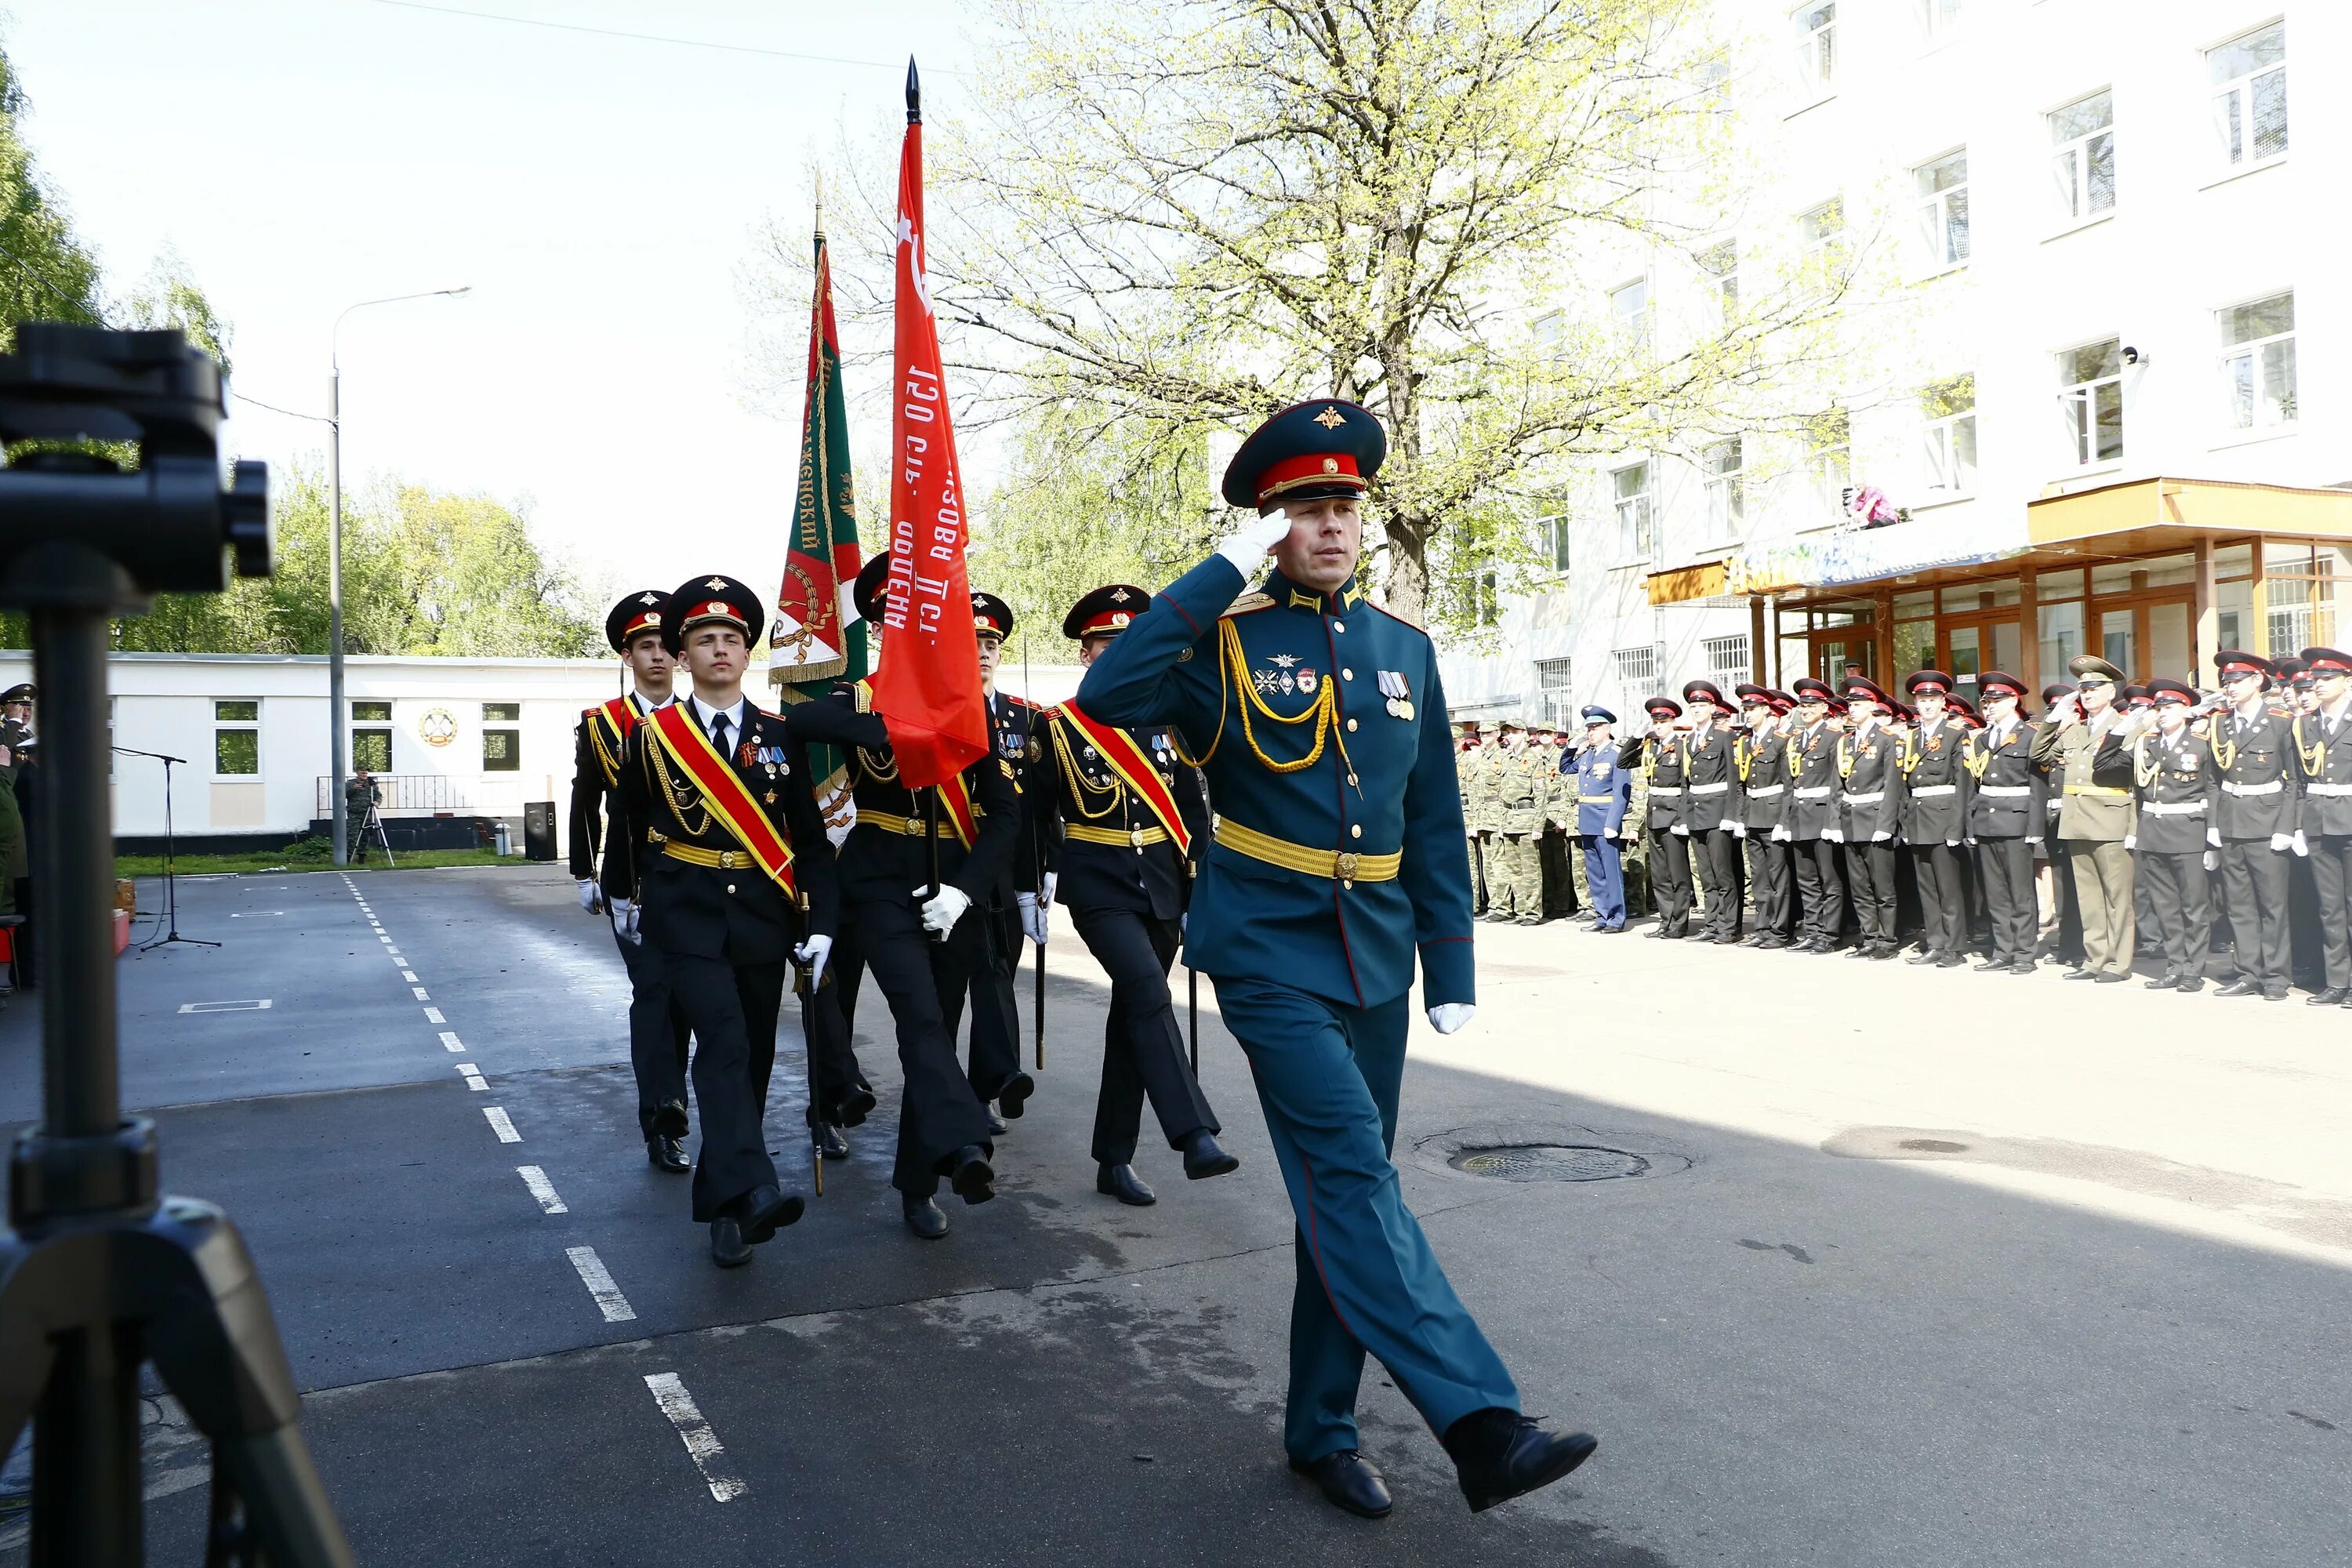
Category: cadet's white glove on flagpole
[1033,917]
[1448,1016]
[942,911]
[814,953]
[1046,886]
[625,920]
[1246,546]
[588,894]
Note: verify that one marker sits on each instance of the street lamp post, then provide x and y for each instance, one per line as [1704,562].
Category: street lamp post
[339,717]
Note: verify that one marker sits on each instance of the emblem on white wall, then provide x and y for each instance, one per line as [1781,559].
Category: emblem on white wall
[437,728]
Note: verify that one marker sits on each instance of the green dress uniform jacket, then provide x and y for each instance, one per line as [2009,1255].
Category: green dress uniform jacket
[2097,803]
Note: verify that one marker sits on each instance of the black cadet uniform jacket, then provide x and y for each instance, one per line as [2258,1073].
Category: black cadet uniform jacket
[734,912]
[1017,727]
[2324,753]
[1764,782]
[1078,798]
[876,863]
[1936,783]
[596,751]
[1664,791]
[2177,785]
[2007,800]
[1711,766]
[1812,767]
[2261,781]
[1870,791]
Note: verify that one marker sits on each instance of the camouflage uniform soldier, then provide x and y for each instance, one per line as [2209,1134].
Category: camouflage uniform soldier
[1469,772]
[1517,799]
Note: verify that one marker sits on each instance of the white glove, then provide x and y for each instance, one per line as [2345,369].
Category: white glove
[588,894]
[1954,843]
[942,911]
[1448,1016]
[1738,830]
[1781,835]
[2281,841]
[1834,835]
[2212,859]
[1680,830]
[813,954]
[1969,842]
[624,921]
[2301,844]
[2213,837]
[2131,840]
[1046,886]
[1246,546]
[1880,838]
[1033,917]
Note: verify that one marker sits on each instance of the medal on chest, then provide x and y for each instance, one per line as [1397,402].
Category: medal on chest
[1398,691]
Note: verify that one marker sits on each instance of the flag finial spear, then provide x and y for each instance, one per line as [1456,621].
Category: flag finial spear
[820,204]
[914,94]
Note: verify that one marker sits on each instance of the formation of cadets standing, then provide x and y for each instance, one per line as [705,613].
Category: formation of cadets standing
[2123,821]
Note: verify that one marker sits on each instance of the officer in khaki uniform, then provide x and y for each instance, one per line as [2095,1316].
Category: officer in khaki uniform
[1521,791]
[2098,815]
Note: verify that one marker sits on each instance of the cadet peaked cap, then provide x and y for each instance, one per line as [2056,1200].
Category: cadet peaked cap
[2235,661]
[990,615]
[708,599]
[634,616]
[1960,705]
[1782,700]
[2090,670]
[2327,660]
[2294,672]
[2166,692]
[1662,708]
[1995,683]
[1705,691]
[1596,714]
[868,593]
[1107,609]
[1861,688]
[2055,690]
[20,692]
[1306,452]
[2135,695]
[1751,695]
[1927,682]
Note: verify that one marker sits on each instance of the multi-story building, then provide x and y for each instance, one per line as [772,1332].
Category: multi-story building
[2096,359]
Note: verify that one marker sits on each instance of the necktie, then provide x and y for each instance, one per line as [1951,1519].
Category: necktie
[719,733]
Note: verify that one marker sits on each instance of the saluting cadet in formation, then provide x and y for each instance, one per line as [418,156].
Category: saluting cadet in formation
[1124,810]
[1337,861]
[1659,755]
[1710,814]
[1813,817]
[1763,761]
[2005,821]
[1936,816]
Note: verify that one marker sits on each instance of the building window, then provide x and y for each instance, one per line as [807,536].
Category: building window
[1489,599]
[1555,688]
[1556,537]
[372,747]
[1722,265]
[1948,436]
[501,749]
[1816,45]
[1636,536]
[1637,670]
[1830,464]
[1821,234]
[2084,165]
[1943,190]
[2249,76]
[1727,660]
[2258,362]
[1550,331]
[2091,400]
[1629,304]
[1722,468]
[236,738]
[1939,19]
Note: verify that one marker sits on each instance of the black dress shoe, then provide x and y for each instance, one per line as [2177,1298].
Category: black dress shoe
[1348,1481]
[1772,943]
[2169,980]
[2083,974]
[2242,986]
[2331,997]
[1753,938]
[2192,982]
[1529,921]
[665,1153]
[1726,939]
[669,1119]
[924,1217]
[1989,965]
[1500,1454]
[764,1210]
[1864,948]
[975,1179]
[2274,993]
[2023,966]
[830,1145]
[1951,961]
[1203,1158]
[996,1127]
[1013,1094]
[727,1248]
[1885,951]
[854,1108]
[2113,977]
[1926,955]
[1121,1181]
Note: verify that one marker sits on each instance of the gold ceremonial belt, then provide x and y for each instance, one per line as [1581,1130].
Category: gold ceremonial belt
[2103,791]
[1340,865]
[724,859]
[905,827]
[1120,837]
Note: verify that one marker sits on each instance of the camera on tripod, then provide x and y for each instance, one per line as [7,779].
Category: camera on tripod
[97,1272]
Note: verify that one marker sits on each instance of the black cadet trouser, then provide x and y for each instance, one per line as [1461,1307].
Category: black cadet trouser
[2177,896]
[1670,879]
[1716,854]
[1870,869]
[1143,1050]
[1943,912]
[2331,873]
[657,1031]
[2253,891]
[1820,889]
[995,1013]
[2006,868]
[733,1010]
[1769,881]
[941,1111]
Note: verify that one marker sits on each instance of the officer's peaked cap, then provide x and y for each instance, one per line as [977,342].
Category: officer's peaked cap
[1308,452]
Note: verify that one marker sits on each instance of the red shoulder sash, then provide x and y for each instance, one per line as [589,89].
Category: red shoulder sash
[1125,758]
[723,793]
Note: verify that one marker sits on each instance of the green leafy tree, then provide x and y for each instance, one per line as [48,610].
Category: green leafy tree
[46,273]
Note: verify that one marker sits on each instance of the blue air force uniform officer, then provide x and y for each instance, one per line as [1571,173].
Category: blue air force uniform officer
[1337,861]
[1604,794]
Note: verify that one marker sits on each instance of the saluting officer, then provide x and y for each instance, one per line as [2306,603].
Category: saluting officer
[1763,761]
[1014,901]
[1337,858]
[730,875]
[1813,769]
[919,943]
[2098,815]
[1659,755]
[1935,818]
[1127,809]
[1712,808]
[2179,787]
[1870,813]
[2254,822]
[658,1027]
[1604,794]
[2005,821]
[2323,745]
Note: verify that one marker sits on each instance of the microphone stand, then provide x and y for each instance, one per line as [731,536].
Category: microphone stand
[171,878]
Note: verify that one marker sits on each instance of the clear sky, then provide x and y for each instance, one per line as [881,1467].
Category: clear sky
[602,195]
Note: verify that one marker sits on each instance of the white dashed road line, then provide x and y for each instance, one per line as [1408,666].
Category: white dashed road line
[409,975]
[473,1076]
[702,1442]
[542,1188]
[433,1015]
[452,1041]
[421,995]
[502,1123]
[253,1004]
[599,1281]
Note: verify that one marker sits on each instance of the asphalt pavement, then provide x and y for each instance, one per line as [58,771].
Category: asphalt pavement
[2015,1275]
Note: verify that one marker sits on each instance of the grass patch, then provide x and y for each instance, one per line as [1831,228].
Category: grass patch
[288,860]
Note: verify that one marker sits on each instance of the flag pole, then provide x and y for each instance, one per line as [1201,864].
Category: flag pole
[1036,860]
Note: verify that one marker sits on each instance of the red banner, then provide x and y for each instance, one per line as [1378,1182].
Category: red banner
[927,689]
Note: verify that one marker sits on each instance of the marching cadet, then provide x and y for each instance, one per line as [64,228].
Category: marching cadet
[1762,757]
[2178,788]
[2323,751]
[1870,810]
[2096,816]
[1658,755]
[1812,765]
[1935,818]
[1128,808]
[658,1027]
[1522,786]
[1468,761]
[1713,808]
[918,944]
[1335,861]
[1024,888]
[2005,821]
[1604,794]
[729,874]
[2254,822]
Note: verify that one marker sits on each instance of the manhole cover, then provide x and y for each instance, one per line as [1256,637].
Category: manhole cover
[1933,1146]
[1548,1162]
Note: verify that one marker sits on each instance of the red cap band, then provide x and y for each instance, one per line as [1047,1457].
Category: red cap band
[1309,469]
